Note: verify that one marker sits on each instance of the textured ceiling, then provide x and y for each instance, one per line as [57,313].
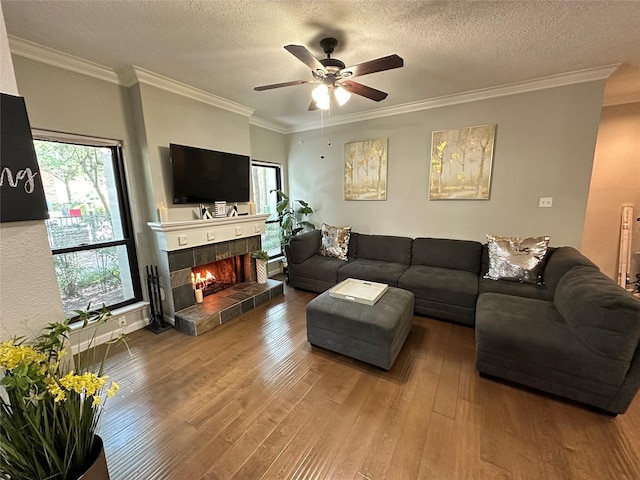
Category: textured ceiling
[228,47]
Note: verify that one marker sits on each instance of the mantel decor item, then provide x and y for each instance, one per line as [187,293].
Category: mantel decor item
[262,262]
[461,161]
[365,170]
[51,405]
[220,209]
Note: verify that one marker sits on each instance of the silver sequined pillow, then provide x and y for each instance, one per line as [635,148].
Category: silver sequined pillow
[335,241]
[516,258]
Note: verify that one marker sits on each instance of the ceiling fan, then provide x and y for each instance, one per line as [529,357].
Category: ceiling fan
[334,77]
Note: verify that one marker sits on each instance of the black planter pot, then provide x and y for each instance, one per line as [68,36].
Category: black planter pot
[97,470]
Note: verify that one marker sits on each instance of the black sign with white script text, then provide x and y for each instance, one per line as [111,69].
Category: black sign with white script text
[21,192]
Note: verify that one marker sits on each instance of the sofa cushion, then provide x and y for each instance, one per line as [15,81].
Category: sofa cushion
[303,246]
[443,285]
[353,246]
[335,241]
[560,262]
[441,252]
[516,258]
[372,270]
[384,247]
[445,311]
[541,292]
[318,267]
[605,317]
[532,337]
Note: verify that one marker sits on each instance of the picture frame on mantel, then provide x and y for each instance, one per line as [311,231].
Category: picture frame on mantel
[365,170]
[461,163]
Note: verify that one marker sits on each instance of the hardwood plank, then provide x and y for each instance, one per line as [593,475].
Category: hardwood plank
[256,428]
[405,461]
[337,426]
[434,344]
[269,451]
[449,381]
[377,459]
[366,428]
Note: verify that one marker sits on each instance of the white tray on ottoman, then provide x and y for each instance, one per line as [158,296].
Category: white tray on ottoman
[371,333]
[359,291]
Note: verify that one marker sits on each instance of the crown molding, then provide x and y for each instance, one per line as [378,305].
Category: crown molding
[630,97]
[267,124]
[126,77]
[543,83]
[131,75]
[56,58]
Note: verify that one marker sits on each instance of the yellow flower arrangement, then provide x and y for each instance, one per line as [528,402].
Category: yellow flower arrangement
[49,416]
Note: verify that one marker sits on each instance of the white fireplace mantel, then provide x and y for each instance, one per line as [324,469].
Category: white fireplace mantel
[194,233]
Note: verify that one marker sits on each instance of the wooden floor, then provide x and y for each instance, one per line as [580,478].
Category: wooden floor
[253,400]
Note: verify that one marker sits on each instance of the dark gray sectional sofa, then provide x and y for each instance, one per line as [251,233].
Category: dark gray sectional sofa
[576,336]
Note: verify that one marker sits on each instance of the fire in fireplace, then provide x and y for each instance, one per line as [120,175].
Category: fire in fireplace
[215,277]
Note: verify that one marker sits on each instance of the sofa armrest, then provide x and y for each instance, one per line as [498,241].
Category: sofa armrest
[560,261]
[604,316]
[302,247]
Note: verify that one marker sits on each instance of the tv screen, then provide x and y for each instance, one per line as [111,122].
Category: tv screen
[201,176]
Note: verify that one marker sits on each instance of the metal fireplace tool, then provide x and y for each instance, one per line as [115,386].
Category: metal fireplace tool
[157,323]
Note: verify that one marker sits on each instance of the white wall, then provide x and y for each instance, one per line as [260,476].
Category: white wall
[267,145]
[615,181]
[544,147]
[29,297]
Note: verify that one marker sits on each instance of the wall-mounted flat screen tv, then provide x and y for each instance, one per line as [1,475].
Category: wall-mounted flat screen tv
[202,176]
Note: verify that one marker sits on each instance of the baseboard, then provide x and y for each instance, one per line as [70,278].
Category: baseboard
[110,331]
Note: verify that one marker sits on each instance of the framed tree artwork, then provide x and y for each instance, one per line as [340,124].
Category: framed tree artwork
[365,170]
[461,161]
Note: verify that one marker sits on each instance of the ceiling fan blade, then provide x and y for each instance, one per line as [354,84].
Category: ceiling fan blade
[378,65]
[364,91]
[305,56]
[278,85]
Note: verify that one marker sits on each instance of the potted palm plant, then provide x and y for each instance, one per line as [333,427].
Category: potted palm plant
[51,405]
[292,220]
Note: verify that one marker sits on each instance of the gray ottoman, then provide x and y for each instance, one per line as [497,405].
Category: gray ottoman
[371,333]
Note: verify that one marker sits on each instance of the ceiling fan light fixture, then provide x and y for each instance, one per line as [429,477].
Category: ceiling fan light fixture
[323,103]
[330,73]
[320,94]
[342,95]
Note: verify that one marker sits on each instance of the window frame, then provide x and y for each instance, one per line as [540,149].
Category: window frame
[278,168]
[124,207]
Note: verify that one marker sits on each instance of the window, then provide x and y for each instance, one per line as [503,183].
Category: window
[89,228]
[267,177]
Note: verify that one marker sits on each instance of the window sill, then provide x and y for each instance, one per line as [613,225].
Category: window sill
[115,314]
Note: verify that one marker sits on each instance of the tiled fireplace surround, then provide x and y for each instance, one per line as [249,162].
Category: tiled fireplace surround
[194,319]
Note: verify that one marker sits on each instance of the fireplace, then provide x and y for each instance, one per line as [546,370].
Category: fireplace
[188,248]
[185,264]
[216,276]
